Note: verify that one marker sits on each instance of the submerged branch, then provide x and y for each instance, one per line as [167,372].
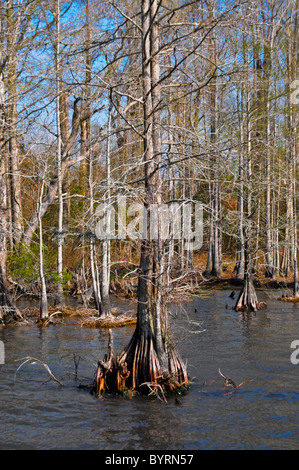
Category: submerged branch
[154,390]
[228,382]
[33,361]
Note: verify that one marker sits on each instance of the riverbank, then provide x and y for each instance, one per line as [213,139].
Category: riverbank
[76,316]
[182,289]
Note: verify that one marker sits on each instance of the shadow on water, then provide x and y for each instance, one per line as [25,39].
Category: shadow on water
[263,413]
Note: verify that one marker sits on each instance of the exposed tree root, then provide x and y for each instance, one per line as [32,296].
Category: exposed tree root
[137,367]
[247,299]
[111,374]
[50,320]
[10,315]
[157,390]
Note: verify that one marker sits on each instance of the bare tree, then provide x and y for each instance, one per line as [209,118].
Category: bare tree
[151,355]
[7,308]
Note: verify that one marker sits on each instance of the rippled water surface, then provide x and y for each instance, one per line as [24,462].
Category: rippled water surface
[36,413]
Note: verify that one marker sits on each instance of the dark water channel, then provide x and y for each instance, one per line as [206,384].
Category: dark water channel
[36,413]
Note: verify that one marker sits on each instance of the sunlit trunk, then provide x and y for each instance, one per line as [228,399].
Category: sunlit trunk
[7,307]
[151,356]
[43,309]
[60,235]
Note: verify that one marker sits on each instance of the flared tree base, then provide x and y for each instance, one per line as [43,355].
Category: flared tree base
[247,299]
[139,368]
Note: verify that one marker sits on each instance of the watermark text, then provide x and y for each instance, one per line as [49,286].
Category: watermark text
[295,353]
[2,353]
[176,221]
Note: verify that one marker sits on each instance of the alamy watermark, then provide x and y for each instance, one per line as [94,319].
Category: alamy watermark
[295,353]
[175,220]
[2,353]
[295,94]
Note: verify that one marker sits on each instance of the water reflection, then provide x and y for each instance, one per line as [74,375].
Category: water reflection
[259,320]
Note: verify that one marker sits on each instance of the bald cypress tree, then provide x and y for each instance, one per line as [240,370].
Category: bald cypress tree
[151,356]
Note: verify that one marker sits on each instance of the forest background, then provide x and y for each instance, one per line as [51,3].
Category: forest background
[225,103]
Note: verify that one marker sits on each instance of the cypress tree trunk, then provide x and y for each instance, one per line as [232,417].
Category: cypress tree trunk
[216,204]
[294,60]
[247,299]
[60,236]
[150,356]
[105,305]
[8,310]
[93,266]
[207,272]
[43,309]
[12,117]
[239,268]
[15,181]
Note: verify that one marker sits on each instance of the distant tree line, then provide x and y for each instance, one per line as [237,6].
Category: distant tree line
[169,101]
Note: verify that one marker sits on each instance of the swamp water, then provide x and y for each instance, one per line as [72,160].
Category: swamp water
[37,413]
